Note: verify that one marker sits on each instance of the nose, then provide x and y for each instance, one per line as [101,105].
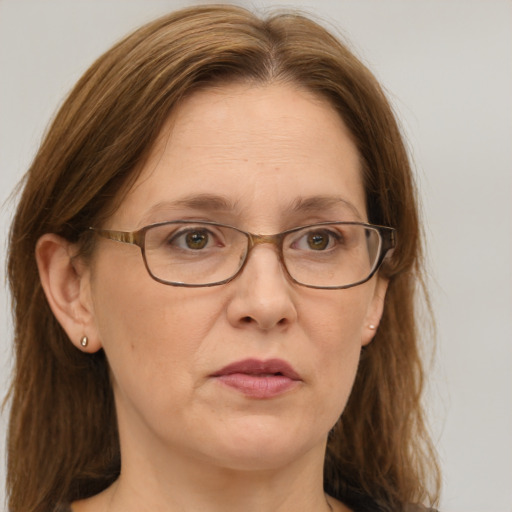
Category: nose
[262,293]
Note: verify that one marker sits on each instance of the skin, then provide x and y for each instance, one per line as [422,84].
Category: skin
[187,441]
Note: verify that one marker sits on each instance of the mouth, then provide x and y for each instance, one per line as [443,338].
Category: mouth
[259,379]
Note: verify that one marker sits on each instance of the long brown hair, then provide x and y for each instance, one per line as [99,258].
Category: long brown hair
[63,442]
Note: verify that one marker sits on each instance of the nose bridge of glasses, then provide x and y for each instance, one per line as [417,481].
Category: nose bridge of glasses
[275,240]
[265,239]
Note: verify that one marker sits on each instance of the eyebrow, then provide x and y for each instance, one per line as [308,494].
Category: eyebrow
[206,202]
[319,203]
[221,204]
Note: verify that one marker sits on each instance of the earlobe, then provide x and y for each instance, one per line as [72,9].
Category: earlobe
[67,291]
[375,310]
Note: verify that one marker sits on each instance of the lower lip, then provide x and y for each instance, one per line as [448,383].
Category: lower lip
[255,386]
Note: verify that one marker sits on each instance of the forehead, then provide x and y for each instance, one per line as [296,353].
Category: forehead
[261,150]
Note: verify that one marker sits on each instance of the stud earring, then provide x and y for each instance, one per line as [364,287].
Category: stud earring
[372,327]
[84,341]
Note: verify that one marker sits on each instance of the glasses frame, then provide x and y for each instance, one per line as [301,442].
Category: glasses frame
[138,238]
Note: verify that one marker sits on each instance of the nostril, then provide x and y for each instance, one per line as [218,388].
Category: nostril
[246,319]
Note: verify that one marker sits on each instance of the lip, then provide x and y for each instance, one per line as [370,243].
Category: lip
[259,379]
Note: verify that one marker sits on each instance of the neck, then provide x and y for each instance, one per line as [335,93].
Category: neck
[181,484]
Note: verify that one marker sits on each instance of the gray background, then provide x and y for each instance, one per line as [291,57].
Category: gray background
[447,67]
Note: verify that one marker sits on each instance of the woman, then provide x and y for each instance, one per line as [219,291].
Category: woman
[257,350]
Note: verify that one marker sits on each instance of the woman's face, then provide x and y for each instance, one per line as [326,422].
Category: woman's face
[264,159]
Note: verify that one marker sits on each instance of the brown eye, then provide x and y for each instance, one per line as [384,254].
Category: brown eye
[196,239]
[318,241]
[315,239]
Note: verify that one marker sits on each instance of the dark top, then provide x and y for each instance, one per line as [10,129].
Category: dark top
[360,507]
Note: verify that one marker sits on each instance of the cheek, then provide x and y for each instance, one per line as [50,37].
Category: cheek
[336,329]
[151,333]
[337,321]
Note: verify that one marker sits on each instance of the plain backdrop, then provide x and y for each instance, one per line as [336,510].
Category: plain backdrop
[447,67]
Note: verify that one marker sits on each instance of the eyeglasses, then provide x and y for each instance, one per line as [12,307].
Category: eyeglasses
[329,255]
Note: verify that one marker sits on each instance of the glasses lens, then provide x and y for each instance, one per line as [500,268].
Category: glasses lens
[332,255]
[194,253]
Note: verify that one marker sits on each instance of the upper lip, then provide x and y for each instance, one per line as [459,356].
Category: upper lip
[259,367]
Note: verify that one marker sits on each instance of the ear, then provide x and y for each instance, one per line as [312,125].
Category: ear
[66,284]
[375,310]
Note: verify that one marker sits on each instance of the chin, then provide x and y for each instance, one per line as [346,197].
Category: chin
[263,446]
